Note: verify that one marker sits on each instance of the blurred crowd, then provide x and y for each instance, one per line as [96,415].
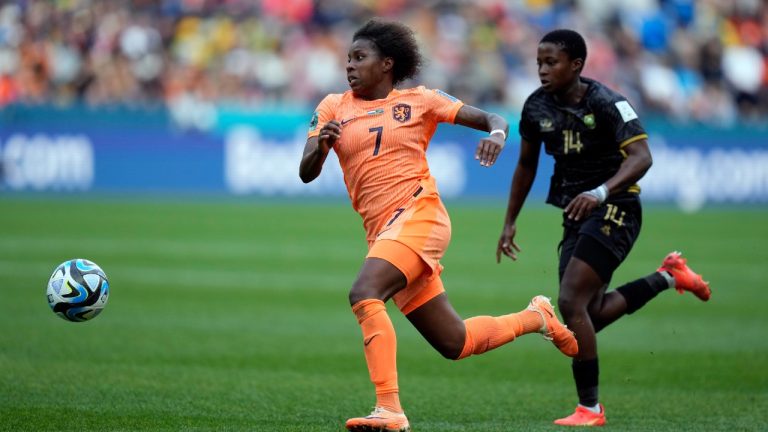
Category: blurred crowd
[703,61]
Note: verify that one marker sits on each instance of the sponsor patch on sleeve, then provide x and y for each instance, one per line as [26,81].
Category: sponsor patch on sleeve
[626,111]
[446,95]
[313,122]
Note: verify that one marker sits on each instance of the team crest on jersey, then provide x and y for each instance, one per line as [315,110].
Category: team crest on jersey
[401,112]
[546,125]
[589,121]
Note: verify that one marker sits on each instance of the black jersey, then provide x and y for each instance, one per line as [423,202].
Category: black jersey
[586,140]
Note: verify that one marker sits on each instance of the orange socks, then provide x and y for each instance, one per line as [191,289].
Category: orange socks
[380,346]
[485,333]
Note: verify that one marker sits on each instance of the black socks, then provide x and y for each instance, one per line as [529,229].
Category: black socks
[641,291]
[585,373]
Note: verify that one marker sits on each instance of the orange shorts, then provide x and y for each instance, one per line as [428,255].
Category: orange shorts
[423,283]
[414,241]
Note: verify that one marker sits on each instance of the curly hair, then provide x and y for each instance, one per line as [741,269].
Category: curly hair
[569,41]
[394,40]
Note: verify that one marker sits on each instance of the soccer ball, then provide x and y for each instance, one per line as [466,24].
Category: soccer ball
[78,290]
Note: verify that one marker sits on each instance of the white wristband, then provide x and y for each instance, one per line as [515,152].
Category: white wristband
[600,192]
[501,131]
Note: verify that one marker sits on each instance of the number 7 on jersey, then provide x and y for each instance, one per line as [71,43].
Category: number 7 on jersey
[378,131]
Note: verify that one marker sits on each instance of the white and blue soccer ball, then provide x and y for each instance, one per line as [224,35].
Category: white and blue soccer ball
[78,290]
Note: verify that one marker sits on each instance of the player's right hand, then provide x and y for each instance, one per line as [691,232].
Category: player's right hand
[488,150]
[507,244]
[329,133]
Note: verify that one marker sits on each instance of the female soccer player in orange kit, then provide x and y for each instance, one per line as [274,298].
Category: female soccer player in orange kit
[380,135]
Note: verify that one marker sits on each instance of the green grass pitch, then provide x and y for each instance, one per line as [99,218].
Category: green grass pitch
[233,316]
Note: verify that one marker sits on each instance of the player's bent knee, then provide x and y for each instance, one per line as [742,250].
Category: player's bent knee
[450,351]
[572,299]
[445,337]
[378,279]
[366,288]
[355,295]
[360,293]
[451,344]
[567,305]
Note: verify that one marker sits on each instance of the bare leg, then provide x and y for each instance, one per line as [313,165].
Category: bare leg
[579,286]
[440,325]
[606,308]
[378,279]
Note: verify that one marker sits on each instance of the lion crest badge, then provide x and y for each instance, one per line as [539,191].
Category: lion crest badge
[401,112]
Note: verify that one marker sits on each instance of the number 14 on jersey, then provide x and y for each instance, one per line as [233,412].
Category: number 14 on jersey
[570,144]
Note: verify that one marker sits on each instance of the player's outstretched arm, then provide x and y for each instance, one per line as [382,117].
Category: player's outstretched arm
[489,147]
[522,180]
[316,150]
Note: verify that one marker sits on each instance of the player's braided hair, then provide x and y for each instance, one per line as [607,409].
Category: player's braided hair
[394,40]
[569,41]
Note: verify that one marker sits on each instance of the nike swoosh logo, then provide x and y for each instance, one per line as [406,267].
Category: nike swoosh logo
[369,339]
[343,122]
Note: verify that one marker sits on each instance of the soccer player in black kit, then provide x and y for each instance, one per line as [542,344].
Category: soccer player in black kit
[600,151]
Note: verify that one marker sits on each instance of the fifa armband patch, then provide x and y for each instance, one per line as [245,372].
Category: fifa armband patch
[626,111]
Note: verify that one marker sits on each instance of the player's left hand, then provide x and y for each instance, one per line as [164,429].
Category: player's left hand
[488,150]
[581,206]
[507,244]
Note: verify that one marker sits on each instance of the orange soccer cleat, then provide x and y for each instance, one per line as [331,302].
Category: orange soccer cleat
[380,420]
[685,278]
[583,417]
[553,329]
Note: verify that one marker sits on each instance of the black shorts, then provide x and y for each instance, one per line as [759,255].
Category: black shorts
[602,240]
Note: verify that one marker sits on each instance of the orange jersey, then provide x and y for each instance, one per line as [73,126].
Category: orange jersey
[383,145]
